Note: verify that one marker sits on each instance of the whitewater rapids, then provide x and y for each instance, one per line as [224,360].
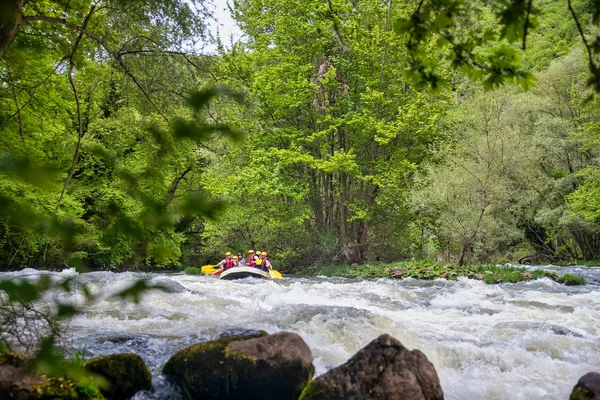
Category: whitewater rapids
[530,340]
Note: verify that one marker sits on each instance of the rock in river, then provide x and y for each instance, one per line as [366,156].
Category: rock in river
[126,373]
[262,367]
[384,369]
[587,388]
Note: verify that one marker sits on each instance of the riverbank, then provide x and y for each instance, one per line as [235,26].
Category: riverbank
[430,270]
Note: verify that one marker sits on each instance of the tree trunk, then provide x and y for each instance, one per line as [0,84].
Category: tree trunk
[11,21]
[467,241]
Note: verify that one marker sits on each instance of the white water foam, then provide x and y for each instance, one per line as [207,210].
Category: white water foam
[531,340]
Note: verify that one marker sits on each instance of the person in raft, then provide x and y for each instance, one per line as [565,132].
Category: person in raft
[251,258]
[258,260]
[227,263]
[265,264]
[241,260]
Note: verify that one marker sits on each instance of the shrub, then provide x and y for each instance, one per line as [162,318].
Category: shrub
[192,271]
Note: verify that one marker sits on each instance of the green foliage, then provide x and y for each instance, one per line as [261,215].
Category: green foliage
[585,200]
[423,269]
[506,187]
[193,271]
[112,157]
[571,279]
[479,39]
[336,131]
[93,165]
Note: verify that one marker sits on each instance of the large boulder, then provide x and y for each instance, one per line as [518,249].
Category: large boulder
[262,367]
[384,369]
[126,374]
[587,388]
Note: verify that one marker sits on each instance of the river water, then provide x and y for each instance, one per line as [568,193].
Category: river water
[530,340]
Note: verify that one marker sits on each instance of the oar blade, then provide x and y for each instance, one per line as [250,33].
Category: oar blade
[275,274]
[208,269]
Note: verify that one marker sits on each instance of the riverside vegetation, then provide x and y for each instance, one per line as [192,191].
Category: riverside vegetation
[430,270]
[335,132]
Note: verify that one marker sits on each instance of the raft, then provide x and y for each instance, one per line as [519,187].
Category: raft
[244,272]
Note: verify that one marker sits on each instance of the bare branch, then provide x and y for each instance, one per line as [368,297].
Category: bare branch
[79,120]
[18,114]
[529,6]
[336,28]
[593,67]
[171,193]
[36,87]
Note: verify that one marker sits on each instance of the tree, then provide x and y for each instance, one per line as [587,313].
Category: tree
[502,187]
[88,98]
[482,177]
[337,124]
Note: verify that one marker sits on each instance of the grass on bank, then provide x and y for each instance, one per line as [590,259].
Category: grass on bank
[431,270]
[571,279]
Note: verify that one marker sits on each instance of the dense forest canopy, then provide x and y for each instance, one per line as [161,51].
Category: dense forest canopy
[370,132]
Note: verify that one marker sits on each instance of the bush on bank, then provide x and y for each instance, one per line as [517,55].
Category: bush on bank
[193,271]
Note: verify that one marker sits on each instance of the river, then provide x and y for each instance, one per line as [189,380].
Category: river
[530,340]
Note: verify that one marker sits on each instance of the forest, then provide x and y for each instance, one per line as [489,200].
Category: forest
[332,132]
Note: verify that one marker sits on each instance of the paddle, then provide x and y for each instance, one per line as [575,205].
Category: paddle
[275,274]
[209,269]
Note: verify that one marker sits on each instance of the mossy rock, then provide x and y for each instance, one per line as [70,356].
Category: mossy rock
[20,384]
[9,357]
[66,389]
[126,374]
[264,367]
[581,393]
[587,388]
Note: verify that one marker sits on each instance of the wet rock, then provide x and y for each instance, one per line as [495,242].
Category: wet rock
[384,369]
[17,383]
[479,277]
[20,384]
[398,272]
[274,366]
[587,388]
[445,275]
[561,330]
[126,373]
[238,333]
[117,339]
[168,285]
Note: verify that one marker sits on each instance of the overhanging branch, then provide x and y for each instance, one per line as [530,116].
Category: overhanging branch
[102,42]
